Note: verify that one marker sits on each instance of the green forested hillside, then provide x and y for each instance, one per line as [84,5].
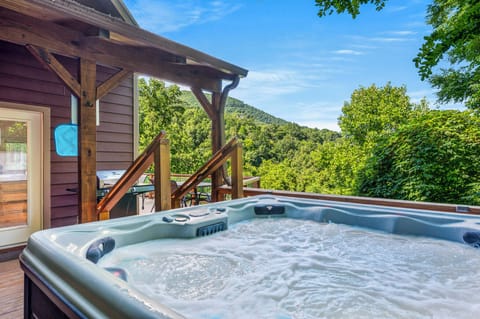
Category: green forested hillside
[237,107]
[388,146]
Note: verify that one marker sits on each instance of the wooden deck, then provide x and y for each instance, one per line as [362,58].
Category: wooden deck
[11,290]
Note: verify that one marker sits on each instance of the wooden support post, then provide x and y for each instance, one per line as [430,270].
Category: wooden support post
[216,111]
[162,176]
[218,140]
[237,172]
[87,141]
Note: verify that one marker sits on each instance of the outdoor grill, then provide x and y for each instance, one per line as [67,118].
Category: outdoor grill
[127,206]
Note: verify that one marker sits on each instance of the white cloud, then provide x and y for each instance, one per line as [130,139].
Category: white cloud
[283,81]
[401,33]
[397,38]
[317,115]
[348,52]
[341,58]
[321,125]
[416,96]
[430,96]
[262,84]
[277,91]
[363,46]
[417,23]
[167,16]
[395,8]
[389,39]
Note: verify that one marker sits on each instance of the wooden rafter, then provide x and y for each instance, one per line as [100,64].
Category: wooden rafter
[204,102]
[112,83]
[51,63]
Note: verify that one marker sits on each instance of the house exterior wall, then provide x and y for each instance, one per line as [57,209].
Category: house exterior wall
[24,80]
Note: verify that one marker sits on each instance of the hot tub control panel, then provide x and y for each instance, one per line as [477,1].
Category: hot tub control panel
[198,222]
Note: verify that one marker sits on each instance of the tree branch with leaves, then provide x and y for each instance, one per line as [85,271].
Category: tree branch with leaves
[455,41]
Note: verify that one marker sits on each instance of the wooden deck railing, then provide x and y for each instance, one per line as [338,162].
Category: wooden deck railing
[158,152]
[233,150]
[449,208]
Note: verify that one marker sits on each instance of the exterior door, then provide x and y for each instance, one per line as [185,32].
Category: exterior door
[21,167]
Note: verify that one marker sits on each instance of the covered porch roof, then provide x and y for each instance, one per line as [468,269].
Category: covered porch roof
[78,29]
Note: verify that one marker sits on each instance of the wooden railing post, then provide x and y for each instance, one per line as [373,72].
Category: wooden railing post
[162,176]
[237,172]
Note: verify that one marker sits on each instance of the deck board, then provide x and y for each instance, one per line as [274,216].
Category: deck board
[11,290]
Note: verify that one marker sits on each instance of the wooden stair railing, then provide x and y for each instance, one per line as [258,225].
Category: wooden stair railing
[158,152]
[232,149]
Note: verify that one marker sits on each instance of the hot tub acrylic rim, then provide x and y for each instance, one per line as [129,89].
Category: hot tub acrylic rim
[87,287]
[66,269]
[124,225]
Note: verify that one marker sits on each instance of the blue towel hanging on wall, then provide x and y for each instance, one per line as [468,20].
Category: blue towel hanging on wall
[66,139]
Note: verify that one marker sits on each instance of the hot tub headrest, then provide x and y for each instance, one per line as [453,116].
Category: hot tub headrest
[100,248]
[472,238]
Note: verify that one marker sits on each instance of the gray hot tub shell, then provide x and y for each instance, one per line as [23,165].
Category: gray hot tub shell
[62,277]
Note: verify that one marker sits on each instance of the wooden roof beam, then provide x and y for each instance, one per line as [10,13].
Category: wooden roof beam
[152,62]
[102,47]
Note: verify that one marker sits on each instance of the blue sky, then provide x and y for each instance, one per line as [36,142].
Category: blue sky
[302,68]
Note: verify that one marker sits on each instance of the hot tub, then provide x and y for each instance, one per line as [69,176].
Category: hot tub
[68,271]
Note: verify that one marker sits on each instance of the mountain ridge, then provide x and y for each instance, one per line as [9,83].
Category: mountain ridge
[239,107]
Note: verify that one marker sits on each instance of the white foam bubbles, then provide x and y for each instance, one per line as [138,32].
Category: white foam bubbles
[285,268]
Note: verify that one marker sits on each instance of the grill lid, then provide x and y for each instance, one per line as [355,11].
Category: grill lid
[107,178]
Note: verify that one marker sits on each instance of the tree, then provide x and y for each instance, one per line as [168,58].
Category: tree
[332,168]
[190,143]
[279,176]
[455,40]
[431,158]
[456,36]
[374,111]
[327,7]
[159,106]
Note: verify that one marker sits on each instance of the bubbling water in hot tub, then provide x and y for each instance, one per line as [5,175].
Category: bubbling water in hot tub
[286,268]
